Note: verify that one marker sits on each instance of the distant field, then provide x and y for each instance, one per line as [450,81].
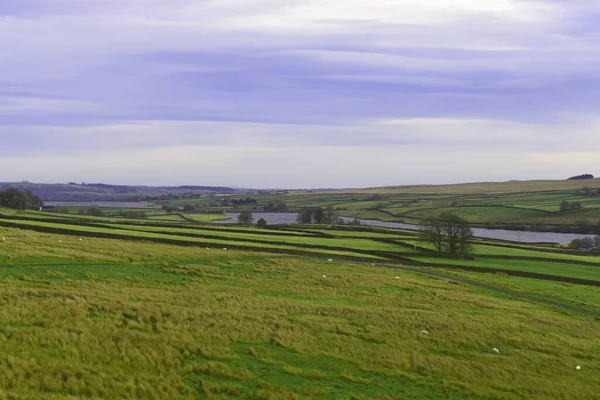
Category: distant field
[531,204]
[106,318]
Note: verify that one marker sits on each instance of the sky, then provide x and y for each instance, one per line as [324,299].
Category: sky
[298,93]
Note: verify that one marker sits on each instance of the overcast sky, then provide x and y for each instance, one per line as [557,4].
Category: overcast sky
[298,93]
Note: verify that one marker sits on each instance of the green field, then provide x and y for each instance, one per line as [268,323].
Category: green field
[533,205]
[105,318]
[155,308]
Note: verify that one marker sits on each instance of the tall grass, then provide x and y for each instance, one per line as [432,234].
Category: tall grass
[177,322]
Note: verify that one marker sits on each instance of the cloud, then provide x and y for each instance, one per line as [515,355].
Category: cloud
[477,76]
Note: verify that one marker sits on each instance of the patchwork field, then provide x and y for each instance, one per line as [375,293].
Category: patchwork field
[129,308]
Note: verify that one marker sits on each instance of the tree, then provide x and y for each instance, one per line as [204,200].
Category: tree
[19,200]
[245,218]
[305,216]
[319,216]
[262,223]
[432,232]
[188,207]
[447,232]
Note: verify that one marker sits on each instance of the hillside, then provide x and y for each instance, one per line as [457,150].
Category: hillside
[105,192]
[487,187]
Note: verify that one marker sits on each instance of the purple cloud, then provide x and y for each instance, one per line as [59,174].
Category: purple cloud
[87,77]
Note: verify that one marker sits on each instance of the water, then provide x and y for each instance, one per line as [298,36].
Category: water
[501,234]
[113,204]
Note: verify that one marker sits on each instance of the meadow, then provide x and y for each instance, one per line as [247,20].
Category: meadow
[110,318]
[112,307]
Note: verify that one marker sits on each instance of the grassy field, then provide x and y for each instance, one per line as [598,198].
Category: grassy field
[532,205]
[107,318]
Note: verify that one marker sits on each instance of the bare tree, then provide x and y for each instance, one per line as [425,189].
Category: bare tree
[447,232]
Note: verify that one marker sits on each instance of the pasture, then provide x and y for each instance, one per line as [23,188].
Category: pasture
[110,318]
[531,205]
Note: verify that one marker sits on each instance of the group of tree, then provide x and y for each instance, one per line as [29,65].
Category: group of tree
[588,192]
[447,233]
[317,215]
[170,209]
[19,199]
[570,205]
[586,243]
[133,214]
[275,206]
[243,202]
[582,176]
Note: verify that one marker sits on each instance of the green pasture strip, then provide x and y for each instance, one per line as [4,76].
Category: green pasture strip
[581,296]
[558,268]
[176,239]
[361,244]
[528,251]
[205,217]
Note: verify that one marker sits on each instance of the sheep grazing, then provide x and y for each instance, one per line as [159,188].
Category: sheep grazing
[577,367]
[80,239]
[372,264]
[396,278]
[225,248]
[3,238]
[324,277]
[330,260]
[496,351]
[424,332]
[207,248]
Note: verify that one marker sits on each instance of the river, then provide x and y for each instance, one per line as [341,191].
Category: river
[501,234]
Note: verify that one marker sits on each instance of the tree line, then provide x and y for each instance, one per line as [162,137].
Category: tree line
[317,215]
[588,192]
[19,199]
[570,205]
[582,176]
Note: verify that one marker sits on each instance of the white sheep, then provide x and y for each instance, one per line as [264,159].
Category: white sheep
[330,260]
[372,264]
[578,367]
[396,278]
[225,248]
[60,241]
[324,277]
[424,332]
[80,239]
[496,351]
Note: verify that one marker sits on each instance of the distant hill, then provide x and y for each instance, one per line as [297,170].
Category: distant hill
[484,187]
[106,192]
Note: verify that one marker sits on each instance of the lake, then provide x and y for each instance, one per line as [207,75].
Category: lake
[501,234]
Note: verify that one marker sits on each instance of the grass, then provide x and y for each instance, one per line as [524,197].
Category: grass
[106,318]
[587,297]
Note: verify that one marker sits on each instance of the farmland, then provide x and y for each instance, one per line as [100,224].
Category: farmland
[533,205]
[112,307]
